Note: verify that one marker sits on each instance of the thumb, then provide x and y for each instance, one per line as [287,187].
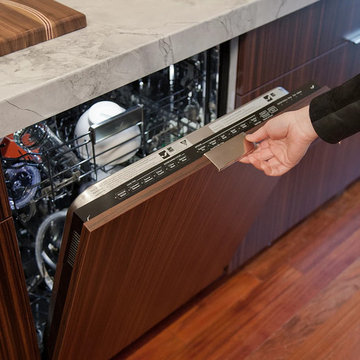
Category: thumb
[258,135]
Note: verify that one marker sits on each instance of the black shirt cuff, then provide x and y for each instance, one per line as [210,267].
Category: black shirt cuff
[335,115]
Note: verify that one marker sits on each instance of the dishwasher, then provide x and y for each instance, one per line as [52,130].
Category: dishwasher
[47,165]
[104,153]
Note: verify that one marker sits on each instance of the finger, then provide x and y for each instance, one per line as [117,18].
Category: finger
[262,154]
[244,160]
[258,164]
[264,144]
[248,146]
[269,166]
[258,135]
[278,171]
[274,167]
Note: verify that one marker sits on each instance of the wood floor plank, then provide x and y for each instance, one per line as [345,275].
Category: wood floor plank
[159,347]
[283,343]
[301,292]
[264,300]
[337,327]
[348,348]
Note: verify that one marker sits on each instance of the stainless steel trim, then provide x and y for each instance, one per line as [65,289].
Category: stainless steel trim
[229,152]
[234,44]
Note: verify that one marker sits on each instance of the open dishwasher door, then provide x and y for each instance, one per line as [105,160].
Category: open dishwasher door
[142,242]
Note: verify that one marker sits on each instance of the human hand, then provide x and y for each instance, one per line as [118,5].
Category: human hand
[283,141]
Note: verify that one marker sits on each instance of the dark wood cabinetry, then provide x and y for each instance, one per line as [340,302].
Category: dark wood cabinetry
[308,45]
[337,19]
[17,331]
[330,69]
[272,50]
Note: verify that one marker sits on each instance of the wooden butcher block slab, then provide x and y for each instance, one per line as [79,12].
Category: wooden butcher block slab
[28,22]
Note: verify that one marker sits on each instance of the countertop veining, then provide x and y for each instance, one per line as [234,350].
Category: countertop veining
[123,41]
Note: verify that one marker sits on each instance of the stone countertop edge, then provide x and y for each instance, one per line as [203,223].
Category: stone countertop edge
[119,45]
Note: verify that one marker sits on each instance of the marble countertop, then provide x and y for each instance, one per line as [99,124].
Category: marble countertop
[123,41]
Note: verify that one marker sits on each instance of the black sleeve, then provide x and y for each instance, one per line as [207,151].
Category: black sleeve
[335,115]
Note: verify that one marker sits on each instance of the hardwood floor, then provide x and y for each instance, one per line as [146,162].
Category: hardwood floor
[299,299]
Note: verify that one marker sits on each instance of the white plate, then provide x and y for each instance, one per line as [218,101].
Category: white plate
[124,150]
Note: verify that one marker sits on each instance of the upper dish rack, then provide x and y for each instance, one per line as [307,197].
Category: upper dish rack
[50,158]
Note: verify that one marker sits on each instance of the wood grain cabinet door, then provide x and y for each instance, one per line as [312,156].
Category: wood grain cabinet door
[330,69]
[276,48]
[17,331]
[139,261]
[283,51]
